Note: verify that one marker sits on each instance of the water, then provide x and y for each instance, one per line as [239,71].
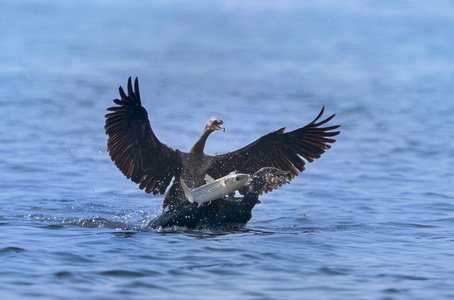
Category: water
[372,219]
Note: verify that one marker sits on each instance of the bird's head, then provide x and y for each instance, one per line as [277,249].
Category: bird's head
[214,123]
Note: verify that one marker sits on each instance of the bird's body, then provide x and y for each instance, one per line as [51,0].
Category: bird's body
[139,154]
[195,168]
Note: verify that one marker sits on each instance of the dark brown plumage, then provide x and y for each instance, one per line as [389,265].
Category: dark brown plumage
[139,154]
[280,150]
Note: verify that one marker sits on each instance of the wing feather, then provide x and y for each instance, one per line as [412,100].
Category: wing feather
[133,146]
[281,150]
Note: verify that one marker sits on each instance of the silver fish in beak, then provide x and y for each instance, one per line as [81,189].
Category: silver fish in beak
[215,189]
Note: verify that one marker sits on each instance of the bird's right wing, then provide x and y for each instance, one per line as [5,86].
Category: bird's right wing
[133,146]
[278,149]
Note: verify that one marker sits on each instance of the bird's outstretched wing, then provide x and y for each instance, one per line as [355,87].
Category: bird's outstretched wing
[278,149]
[133,146]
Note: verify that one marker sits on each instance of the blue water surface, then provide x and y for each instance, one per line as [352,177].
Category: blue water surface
[372,219]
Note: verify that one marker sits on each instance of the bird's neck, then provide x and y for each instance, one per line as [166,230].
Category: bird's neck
[200,144]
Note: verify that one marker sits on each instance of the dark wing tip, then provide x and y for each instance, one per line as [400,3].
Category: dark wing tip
[319,115]
[122,93]
[133,94]
[308,142]
[136,88]
[130,90]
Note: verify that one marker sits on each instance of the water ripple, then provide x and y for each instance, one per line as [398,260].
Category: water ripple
[373,218]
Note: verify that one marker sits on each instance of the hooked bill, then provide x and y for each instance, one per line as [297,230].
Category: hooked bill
[215,189]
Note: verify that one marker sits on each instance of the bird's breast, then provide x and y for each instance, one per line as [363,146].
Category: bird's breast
[194,170]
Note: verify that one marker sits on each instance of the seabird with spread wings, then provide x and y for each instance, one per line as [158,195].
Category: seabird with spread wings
[143,158]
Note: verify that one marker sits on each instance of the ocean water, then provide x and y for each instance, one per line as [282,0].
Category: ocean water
[372,219]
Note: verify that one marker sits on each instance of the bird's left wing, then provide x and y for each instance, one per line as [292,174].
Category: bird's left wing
[133,146]
[278,149]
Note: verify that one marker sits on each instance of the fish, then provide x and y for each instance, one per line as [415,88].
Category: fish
[215,189]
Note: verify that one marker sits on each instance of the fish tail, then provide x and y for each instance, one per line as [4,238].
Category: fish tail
[187,191]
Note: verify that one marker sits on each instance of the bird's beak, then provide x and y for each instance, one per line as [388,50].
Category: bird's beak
[218,127]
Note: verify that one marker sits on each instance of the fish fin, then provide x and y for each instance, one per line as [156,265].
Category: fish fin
[187,191]
[222,181]
[208,178]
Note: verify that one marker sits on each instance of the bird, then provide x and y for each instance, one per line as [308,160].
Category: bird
[144,159]
[224,213]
